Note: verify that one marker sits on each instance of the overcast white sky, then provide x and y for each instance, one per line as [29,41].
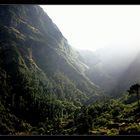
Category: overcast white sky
[95,26]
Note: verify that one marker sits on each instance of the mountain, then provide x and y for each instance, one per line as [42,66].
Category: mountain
[41,76]
[114,69]
[31,42]
[130,76]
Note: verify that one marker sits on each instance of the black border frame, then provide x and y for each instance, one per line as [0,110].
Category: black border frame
[73,2]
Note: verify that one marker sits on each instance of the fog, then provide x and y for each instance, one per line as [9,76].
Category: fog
[113,31]
[117,58]
[113,67]
[97,26]
[114,28]
[110,32]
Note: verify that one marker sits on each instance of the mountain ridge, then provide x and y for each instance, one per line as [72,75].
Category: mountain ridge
[39,68]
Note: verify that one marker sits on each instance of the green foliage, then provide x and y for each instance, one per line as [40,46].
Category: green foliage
[132,129]
[134,89]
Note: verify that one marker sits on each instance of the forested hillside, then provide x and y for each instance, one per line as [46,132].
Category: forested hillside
[41,78]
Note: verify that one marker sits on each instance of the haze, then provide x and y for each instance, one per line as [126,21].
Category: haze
[97,26]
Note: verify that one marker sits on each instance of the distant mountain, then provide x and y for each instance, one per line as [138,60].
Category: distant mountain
[130,76]
[97,70]
[114,69]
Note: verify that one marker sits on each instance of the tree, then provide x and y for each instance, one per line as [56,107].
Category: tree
[83,121]
[135,89]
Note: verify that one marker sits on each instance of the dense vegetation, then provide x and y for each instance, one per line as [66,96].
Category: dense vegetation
[55,117]
[43,86]
[41,78]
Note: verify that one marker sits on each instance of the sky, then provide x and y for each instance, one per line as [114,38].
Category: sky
[97,26]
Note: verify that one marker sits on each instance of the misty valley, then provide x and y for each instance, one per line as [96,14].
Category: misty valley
[47,87]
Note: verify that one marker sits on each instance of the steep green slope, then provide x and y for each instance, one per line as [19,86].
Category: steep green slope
[36,44]
[41,78]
